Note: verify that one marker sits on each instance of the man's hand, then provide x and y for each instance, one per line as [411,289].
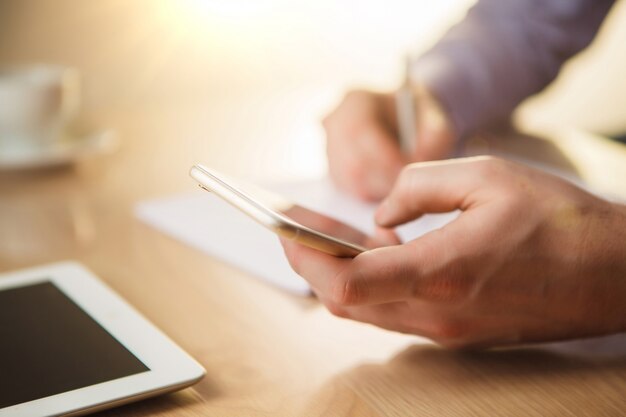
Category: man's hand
[362,141]
[530,258]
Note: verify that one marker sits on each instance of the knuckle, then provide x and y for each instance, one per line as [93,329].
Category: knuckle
[347,291]
[448,289]
[405,182]
[450,282]
[406,174]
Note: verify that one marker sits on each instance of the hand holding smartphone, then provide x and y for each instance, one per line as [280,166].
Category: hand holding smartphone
[290,220]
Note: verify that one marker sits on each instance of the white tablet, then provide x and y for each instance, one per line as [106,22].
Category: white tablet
[69,345]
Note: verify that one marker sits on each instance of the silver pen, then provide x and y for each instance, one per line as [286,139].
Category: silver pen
[406,112]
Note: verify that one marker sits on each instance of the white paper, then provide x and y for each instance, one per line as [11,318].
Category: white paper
[205,222]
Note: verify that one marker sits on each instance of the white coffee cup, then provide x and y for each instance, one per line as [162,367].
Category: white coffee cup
[36,105]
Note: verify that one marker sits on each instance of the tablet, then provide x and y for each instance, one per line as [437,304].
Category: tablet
[69,345]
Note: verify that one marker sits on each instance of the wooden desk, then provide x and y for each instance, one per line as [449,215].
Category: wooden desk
[266,353]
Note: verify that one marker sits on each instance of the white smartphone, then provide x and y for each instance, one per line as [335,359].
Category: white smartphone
[285,218]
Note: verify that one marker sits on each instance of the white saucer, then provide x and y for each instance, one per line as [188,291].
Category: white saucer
[69,149]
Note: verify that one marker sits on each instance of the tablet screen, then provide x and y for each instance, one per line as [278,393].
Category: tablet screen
[49,345]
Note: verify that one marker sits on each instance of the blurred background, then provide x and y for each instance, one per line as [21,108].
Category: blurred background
[250,79]
[241,85]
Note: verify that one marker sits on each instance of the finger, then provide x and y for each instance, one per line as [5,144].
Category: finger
[423,269]
[422,319]
[382,237]
[377,276]
[363,152]
[317,268]
[374,277]
[432,267]
[436,187]
[367,163]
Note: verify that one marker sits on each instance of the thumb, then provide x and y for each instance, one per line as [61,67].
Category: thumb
[432,187]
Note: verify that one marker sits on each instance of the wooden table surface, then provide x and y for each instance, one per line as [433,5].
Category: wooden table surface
[266,352]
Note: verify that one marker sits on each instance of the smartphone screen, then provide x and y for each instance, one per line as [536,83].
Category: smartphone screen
[327,225]
[306,217]
[279,214]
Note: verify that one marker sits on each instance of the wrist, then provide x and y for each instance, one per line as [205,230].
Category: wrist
[619,256]
[607,253]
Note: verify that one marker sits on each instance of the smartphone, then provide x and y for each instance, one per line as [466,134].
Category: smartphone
[285,218]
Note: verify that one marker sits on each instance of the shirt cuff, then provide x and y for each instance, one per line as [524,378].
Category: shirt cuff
[460,86]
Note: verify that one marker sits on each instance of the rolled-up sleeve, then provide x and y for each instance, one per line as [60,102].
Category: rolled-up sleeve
[504,51]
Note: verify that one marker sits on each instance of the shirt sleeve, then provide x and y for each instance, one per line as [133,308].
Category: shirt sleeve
[503,52]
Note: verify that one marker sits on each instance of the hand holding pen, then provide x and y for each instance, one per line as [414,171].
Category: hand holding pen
[372,136]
